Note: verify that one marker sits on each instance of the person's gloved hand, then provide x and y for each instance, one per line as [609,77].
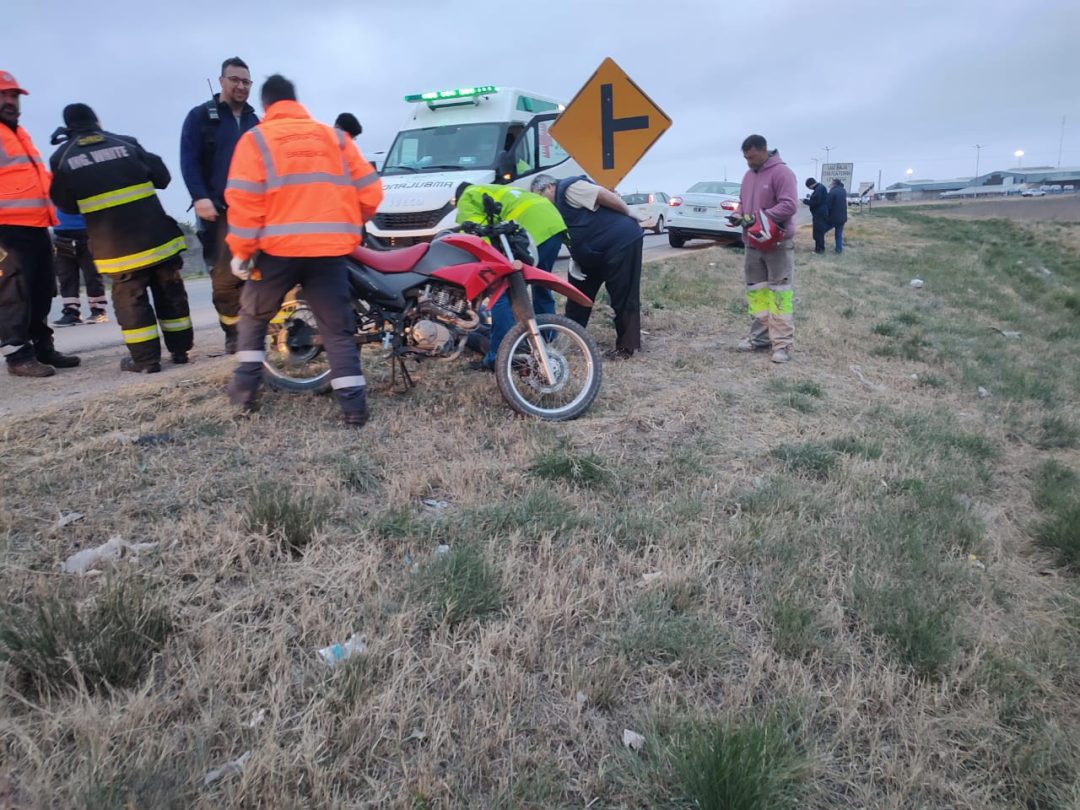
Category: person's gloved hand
[742,220]
[241,268]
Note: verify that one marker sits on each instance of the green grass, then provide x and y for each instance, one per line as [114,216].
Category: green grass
[1057,494]
[799,395]
[54,645]
[739,767]
[664,628]
[795,629]
[1057,432]
[564,463]
[811,460]
[460,587]
[290,520]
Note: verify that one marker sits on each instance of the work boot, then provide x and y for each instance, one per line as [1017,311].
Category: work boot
[781,356]
[144,367]
[355,419]
[98,316]
[353,402]
[52,357]
[242,396]
[747,345]
[179,358]
[30,367]
[69,317]
[230,339]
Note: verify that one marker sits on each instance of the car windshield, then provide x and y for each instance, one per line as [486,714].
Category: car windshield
[714,187]
[635,199]
[468,146]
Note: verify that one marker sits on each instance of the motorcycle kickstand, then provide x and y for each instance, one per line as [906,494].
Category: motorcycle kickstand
[406,378]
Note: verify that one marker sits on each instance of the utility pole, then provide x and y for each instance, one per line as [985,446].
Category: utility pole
[978,148]
[827,150]
[1061,140]
[815,167]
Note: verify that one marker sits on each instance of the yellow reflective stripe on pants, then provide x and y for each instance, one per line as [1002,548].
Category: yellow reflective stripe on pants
[140,335]
[121,264]
[759,301]
[118,196]
[175,324]
[780,301]
[229,320]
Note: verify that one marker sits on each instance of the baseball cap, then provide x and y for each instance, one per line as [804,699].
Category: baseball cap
[7,82]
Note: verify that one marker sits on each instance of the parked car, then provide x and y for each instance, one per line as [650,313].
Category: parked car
[1032,192]
[650,207]
[702,212]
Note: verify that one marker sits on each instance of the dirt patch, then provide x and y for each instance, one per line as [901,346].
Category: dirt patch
[1064,208]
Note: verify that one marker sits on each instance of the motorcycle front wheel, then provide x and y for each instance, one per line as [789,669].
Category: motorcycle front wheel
[575,358]
[295,360]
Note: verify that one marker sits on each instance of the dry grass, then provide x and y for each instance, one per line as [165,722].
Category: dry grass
[811,537]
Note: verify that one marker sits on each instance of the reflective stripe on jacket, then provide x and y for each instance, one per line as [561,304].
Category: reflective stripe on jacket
[24,181]
[533,212]
[112,181]
[298,188]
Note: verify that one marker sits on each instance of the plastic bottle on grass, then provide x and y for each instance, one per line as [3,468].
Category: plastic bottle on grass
[336,653]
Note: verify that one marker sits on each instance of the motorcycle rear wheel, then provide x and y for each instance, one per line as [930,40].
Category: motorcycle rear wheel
[578,370]
[295,360]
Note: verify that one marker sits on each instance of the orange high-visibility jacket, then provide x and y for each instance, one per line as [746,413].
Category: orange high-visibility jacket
[298,188]
[24,182]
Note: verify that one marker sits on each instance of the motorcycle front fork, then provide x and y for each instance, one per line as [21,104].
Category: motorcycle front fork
[521,303]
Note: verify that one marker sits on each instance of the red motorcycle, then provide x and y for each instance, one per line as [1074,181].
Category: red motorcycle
[423,301]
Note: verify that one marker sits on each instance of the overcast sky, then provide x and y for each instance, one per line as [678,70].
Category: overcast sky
[886,86]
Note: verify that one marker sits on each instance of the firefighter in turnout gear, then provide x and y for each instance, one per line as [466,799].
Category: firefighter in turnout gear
[111,180]
[298,194]
[27,280]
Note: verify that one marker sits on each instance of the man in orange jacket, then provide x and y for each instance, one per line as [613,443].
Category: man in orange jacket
[298,195]
[27,277]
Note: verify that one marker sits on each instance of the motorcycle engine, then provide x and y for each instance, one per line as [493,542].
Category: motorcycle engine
[432,337]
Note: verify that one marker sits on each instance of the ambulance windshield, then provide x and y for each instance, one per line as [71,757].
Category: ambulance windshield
[432,149]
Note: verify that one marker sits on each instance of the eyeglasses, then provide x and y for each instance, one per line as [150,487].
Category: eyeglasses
[238,80]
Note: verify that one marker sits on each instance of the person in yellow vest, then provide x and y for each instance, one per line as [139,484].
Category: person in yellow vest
[27,277]
[543,223]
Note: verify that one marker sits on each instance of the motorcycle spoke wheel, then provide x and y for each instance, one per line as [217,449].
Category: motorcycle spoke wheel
[575,360]
[295,360]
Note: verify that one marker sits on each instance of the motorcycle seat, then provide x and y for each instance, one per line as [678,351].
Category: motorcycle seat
[401,260]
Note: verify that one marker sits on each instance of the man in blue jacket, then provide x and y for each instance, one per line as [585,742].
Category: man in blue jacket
[837,203]
[819,210]
[207,141]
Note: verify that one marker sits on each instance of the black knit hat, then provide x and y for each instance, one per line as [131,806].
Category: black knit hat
[80,117]
[347,123]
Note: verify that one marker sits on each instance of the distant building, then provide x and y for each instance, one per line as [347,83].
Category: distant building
[1012,181]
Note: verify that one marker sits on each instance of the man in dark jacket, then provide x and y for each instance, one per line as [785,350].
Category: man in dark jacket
[207,141]
[111,180]
[837,204]
[605,243]
[819,210]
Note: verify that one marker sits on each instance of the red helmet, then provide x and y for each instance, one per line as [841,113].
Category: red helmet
[764,234]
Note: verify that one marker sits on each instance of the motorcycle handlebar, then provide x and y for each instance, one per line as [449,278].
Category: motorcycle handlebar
[491,231]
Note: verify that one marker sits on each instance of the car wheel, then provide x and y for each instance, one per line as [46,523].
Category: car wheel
[659,225]
[675,239]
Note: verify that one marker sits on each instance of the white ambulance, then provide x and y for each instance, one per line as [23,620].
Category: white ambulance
[475,134]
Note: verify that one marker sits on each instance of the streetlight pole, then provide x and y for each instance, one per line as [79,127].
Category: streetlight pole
[978,148]
[1019,155]
[815,167]
[827,150]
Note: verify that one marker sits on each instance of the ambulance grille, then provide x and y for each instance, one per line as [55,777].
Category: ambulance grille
[414,220]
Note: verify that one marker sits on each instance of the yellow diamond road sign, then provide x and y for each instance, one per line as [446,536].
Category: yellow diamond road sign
[609,125]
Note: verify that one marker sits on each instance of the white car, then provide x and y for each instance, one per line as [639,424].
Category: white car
[1032,192]
[702,212]
[650,208]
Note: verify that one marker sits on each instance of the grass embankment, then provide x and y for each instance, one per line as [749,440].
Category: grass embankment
[802,587]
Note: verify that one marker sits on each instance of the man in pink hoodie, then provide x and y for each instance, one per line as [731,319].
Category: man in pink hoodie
[769,188]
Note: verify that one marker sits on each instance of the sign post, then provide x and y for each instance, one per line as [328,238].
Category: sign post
[609,125]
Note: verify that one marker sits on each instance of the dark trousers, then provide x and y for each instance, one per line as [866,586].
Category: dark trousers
[838,237]
[621,274]
[224,286]
[27,287]
[139,319]
[72,256]
[325,284]
[502,314]
[821,227]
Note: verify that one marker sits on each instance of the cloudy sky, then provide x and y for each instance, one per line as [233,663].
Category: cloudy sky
[888,86]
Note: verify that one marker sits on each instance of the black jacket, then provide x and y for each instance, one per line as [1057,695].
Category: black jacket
[111,180]
[837,205]
[819,208]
